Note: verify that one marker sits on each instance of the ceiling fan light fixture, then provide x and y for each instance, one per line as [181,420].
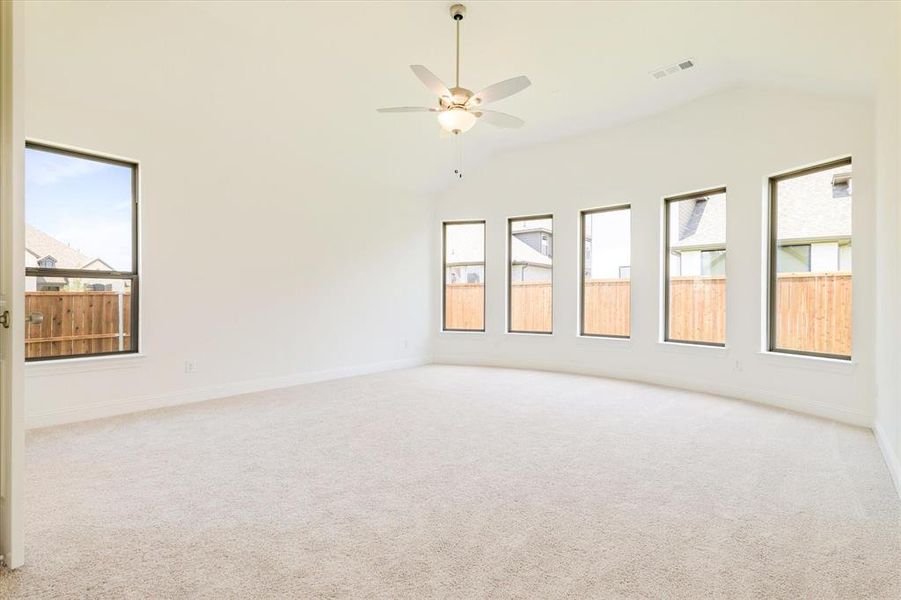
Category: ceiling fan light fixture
[458,108]
[456,120]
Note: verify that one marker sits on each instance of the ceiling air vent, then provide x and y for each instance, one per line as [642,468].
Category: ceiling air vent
[673,69]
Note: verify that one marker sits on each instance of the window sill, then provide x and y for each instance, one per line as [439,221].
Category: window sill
[532,334]
[83,364]
[687,347]
[462,331]
[816,363]
[619,342]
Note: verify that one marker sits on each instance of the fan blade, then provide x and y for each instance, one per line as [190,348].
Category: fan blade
[431,81]
[499,91]
[396,109]
[499,119]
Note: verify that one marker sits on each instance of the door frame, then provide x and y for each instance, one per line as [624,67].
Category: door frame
[12,284]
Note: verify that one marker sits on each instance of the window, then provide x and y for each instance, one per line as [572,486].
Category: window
[464,276]
[810,261]
[695,268]
[530,248]
[841,185]
[793,259]
[606,288]
[81,261]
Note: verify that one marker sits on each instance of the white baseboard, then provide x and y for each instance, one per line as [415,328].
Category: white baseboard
[757,395]
[111,408]
[892,460]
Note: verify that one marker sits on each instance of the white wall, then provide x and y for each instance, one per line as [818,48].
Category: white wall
[263,259]
[892,417]
[896,463]
[888,234]
[734,139]
[824,257]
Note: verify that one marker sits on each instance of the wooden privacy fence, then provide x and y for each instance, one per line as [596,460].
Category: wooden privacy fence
[813,310]
[463,306]
[78,323]
[531,306]
[697,309]
[608,307]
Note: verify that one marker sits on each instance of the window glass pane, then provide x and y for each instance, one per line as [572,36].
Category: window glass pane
[79,217]
[696,273]
[713,263]
[793,259]
[78,212]
[464,276]
[812,284]
[79,316]
[531,274]
[606,289]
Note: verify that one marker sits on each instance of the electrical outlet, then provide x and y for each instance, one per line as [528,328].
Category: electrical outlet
[190,366]
[738,366]
[406,343]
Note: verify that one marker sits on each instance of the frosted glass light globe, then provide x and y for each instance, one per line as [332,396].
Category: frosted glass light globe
[456,120]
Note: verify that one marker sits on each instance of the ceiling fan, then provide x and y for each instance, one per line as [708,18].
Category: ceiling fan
[458,108]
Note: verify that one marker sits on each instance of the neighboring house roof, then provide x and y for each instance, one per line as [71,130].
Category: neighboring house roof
[701,224]
[466,248]
[807,212]
[41,245]
[97,264]
[525,254]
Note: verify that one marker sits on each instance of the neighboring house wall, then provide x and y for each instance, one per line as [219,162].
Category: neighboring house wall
[525,272]
[698,263]
[824,257]
[844,258]
[539,240]
[528,264]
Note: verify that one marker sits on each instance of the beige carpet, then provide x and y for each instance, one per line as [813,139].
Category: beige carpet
[455,482]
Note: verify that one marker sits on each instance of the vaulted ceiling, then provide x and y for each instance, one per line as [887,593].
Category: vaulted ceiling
[305,78]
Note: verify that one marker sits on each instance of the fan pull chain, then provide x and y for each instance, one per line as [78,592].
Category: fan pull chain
[459,170]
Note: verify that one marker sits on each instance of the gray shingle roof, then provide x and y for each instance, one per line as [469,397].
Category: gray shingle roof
[807,212]
[41,245]
[701,222]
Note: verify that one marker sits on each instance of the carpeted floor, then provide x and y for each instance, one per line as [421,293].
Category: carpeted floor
[459,482]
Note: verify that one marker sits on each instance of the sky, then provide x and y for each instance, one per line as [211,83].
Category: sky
[83,203]
[610,242]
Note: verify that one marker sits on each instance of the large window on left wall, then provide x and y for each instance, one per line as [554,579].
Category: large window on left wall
[81,254]
[464,276]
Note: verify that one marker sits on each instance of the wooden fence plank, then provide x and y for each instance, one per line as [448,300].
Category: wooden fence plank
[697,309]
[464,306]
[813,310]
[531,306]
[76,323]
[607,307]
